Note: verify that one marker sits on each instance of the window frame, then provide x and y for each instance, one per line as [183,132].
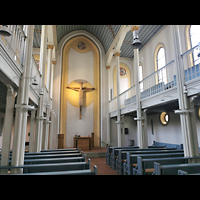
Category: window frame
[158,47]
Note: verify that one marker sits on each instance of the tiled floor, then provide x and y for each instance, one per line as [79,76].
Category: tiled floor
[102,168]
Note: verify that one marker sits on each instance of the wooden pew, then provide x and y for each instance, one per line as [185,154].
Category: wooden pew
[73,172]
[122,155]
[110,151]
[181,172]
[143,165]
[52,152]
[50,156]
[53,156]
[173,169]
[55,160]
[131,160]
[115,153]
[51,167]
[68,149]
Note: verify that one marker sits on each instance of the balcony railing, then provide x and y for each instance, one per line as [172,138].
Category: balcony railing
[15,43]
[191,64]
[160,80]
[128,97]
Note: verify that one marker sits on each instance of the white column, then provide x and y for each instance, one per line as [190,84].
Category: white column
[27,72]
[46,130]
[8,122]
[118,122]
[22,106]
[139,111]
[189,133]
[40,118]
[108,114]
[141,131]
[49,66]
[52,114]
[32,131]
[46,122]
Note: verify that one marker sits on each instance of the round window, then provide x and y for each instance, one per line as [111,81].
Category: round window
[198,112]
[164,118]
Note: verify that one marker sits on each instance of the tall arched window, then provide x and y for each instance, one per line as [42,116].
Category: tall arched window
[195,39]
[160,63]
[192,39]
[141,76]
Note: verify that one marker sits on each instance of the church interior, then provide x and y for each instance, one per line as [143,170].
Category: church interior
[80,99]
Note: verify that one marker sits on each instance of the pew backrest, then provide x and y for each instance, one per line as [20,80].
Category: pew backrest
[55,160]
[72,172]
[53,156]
[52,152]
[173,169]
[51,167]
[68,149]
[132,159]
[143,164]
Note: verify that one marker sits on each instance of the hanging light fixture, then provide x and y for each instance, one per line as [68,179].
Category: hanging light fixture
[136,42]
[4,31]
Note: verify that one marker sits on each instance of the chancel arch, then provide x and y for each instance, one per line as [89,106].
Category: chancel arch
[80,90]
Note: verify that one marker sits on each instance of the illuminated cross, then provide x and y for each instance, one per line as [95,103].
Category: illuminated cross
[80,90]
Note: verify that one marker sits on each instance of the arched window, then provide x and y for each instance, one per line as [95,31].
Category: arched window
[141,76]
[192,39]
[160,62]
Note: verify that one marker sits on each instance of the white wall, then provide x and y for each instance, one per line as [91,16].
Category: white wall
[80,67]
[163,36]
[57,84]
[167,134]
[172,132]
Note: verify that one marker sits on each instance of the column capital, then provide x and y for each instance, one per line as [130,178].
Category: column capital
[50,46]
[117,54]
[135,28]
[107,66]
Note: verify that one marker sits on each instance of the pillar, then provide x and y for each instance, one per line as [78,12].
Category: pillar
[32,131]
[22,106]
[108,114]
[8,122]
[141,131]
[118,122]
[40,117]
[51,114]
[46,130]
[189,133]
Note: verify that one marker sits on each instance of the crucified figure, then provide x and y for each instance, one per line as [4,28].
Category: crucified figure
[80,90]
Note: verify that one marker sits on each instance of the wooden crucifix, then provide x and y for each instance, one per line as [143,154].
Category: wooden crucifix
[80,90]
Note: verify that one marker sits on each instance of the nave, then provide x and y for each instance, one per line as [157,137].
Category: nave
[111,86]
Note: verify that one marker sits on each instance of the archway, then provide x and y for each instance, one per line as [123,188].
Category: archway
[80,61]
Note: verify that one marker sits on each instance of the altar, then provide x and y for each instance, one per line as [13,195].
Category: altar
[84,143]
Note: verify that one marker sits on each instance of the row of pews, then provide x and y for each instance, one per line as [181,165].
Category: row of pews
[70,161]
[154,160]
